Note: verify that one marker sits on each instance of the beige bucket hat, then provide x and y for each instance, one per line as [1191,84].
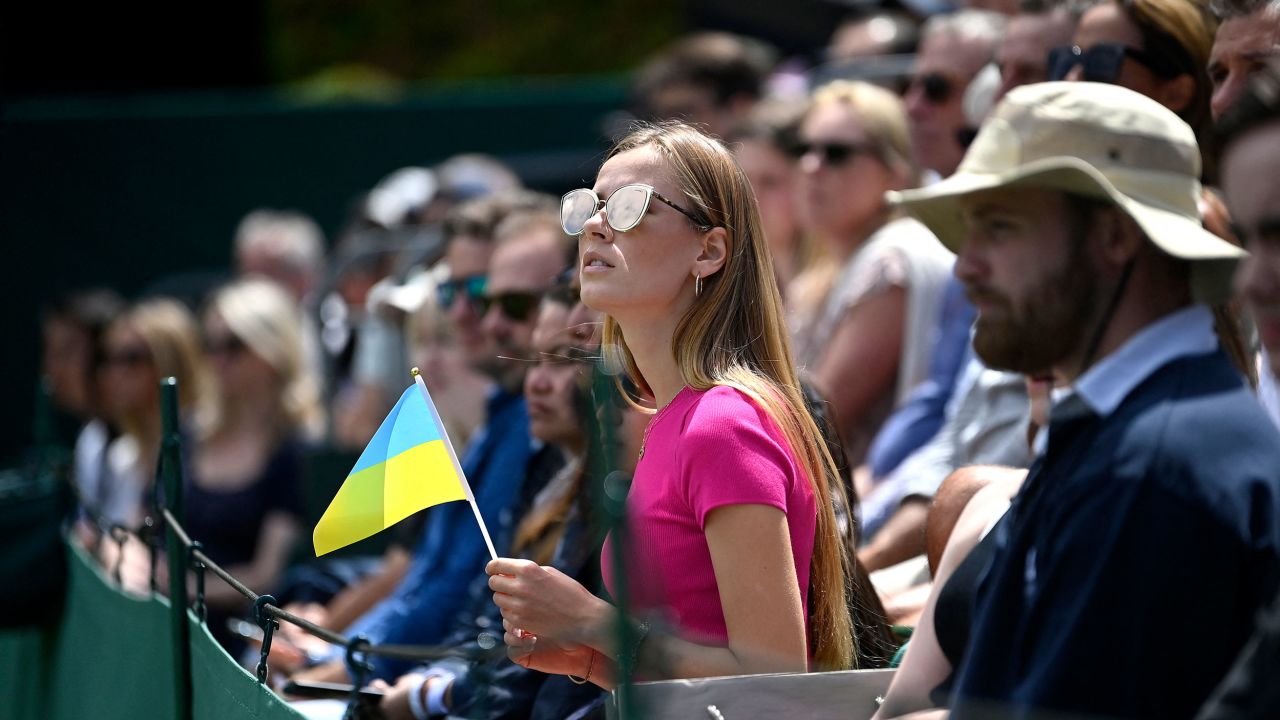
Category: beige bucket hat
[1095,140]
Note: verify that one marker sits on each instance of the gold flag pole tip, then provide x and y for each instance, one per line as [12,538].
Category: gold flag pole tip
[414,372]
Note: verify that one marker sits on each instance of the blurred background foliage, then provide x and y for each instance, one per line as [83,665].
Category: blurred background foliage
[462,39]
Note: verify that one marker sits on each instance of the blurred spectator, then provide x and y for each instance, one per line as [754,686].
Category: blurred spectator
[884,33]
[243,497]
[1250,133]
[72,328]
[153,339]
[468,176]
[878,49]
[1039,24]
[1251,129]
[500,275]
[864,333]
[711,80]
[558,531]
[1159,48]
[1247,39]
[458,389]
[72,363]
[285,246]
[1004,7]
[764,146]
[953,49]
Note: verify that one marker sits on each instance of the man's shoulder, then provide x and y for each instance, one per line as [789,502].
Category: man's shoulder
[1198,406]
[1195,431]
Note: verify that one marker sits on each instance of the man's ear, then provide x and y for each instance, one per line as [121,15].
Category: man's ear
[1122,238]
[714,253]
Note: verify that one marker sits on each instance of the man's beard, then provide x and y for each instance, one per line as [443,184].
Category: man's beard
[1043,329]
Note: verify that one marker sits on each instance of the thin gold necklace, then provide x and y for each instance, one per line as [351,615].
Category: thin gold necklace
[644,439]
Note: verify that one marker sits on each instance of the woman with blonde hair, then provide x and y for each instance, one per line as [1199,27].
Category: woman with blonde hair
[153,339]
[243,492]
[733,543]
[863,322]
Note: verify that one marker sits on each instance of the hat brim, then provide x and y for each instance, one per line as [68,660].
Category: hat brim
[1213,259]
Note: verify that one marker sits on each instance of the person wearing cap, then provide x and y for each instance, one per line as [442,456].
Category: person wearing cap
[1075,221]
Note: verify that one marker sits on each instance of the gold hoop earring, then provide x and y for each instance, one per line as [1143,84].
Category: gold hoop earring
[697,285]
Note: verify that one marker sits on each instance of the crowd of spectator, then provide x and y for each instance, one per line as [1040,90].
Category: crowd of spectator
[1041,425]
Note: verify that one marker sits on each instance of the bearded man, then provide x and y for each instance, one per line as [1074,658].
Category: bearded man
[1125,575]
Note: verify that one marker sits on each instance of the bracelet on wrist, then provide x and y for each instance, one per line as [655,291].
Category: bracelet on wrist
[590,664]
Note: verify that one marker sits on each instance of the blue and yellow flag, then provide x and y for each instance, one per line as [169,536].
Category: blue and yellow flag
[408,466]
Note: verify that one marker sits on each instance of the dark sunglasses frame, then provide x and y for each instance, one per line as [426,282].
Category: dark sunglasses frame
[226,344]
[1102,62]
[937,88]
[130,357]
[473,286]
[650,193]
[833,153]
[516,306]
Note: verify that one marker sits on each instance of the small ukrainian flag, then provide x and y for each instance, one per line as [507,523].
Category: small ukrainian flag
[408,466]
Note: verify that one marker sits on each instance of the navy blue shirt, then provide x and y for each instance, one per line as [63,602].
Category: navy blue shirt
[1129,568]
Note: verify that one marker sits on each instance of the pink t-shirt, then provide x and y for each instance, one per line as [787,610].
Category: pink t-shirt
[706,449]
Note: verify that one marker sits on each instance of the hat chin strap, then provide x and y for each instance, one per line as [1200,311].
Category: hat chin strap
[1105,321]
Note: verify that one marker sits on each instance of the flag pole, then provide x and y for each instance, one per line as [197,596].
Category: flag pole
[453,457]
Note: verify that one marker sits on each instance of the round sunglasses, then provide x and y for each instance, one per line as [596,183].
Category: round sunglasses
[623,210]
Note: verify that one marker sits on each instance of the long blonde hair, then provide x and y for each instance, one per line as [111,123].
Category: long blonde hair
[170,333]
[734,335]
[263,315]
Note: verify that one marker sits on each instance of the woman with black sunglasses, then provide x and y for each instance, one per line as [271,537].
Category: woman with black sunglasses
[734,547]
[862,321]
[1159,48]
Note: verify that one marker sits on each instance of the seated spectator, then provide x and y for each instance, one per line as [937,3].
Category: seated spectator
[1021,56]
[1247,39]
[153,339]
[1249,129]
[763,146]
[243,495]
[459,390]
[953,49]
[711,80]
[863,334]
[884,33]
[1159,48]
[557,531]
[72,361]
[1250,134]
[750,574]
[505,466]
[1156,443]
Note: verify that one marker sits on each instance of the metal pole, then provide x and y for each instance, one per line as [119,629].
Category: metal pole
[170,471]
[612,496]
